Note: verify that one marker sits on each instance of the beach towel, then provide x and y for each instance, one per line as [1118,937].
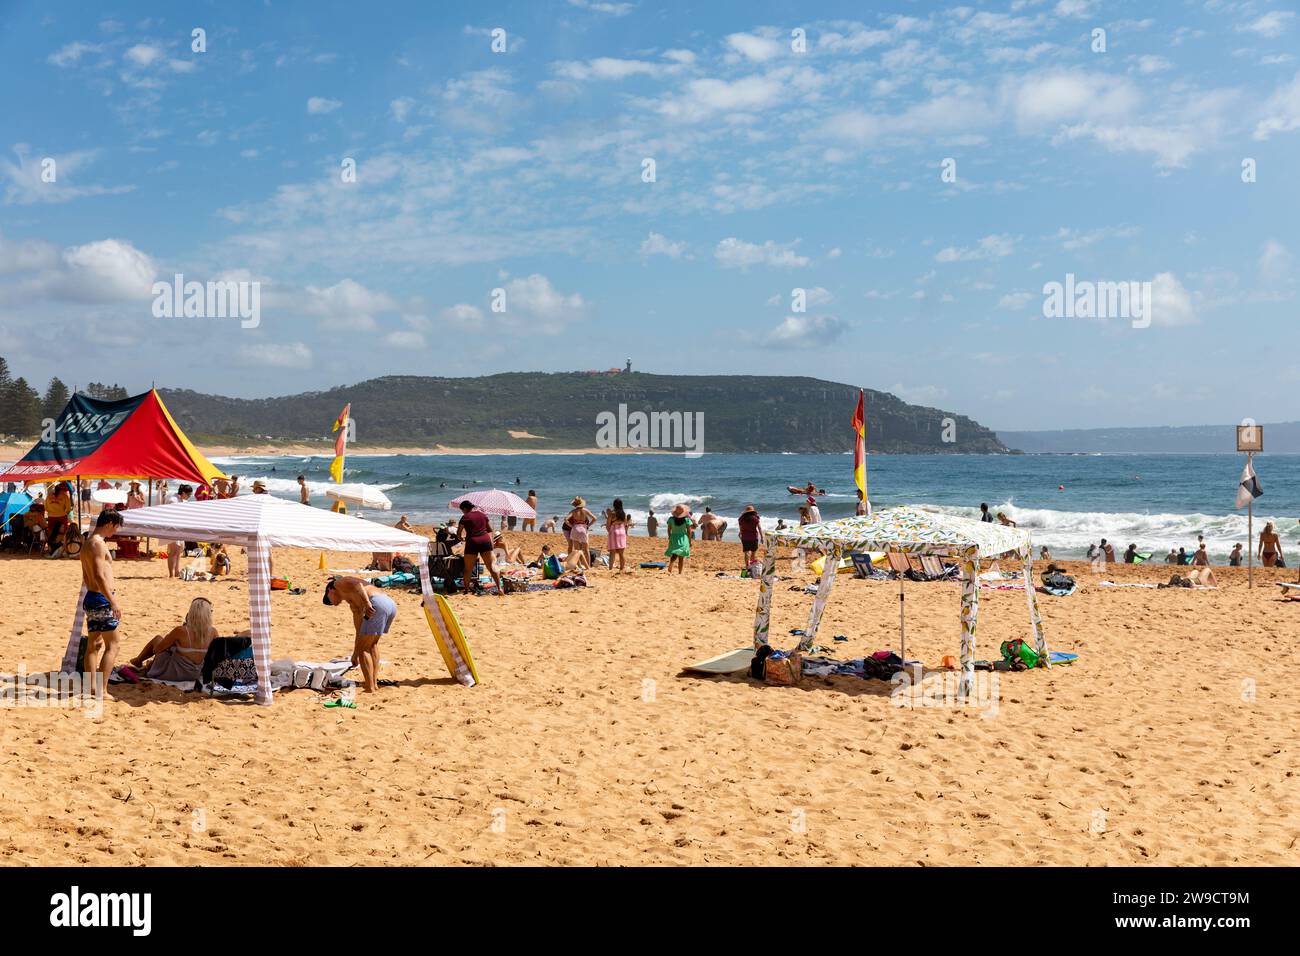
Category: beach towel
[1056,592]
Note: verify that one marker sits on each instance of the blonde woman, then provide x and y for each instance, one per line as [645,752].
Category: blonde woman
[178,654]
[1270,546]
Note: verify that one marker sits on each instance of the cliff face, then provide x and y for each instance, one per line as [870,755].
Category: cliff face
[742,413]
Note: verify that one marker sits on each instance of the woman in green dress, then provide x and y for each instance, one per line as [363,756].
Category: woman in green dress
[679,538]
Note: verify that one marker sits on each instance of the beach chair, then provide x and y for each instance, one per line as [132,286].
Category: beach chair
[898,563]
[934,568]
[862,566]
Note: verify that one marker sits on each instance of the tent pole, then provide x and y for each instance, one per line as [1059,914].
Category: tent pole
[1250,533]
[79,529]
[902,637]
[147,548]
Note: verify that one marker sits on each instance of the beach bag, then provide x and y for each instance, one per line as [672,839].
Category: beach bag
[882,665]
[239,669]
[1020,654]
[551,568]
[279,584]
[785,670]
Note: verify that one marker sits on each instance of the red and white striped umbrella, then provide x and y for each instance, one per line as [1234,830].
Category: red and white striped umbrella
[495,502]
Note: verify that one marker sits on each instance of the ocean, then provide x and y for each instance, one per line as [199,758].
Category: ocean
[1065,501]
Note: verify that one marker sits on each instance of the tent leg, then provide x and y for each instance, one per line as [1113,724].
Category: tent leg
[259,615]
[830,568]
[1035,621]
[902,636]
[970,606]
[763,614]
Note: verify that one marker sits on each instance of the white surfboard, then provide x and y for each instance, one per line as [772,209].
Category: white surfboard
[729,663]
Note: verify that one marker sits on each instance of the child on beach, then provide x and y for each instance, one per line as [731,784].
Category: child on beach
[680,526]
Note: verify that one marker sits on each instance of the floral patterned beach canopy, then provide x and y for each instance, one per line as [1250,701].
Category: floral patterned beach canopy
[910,530]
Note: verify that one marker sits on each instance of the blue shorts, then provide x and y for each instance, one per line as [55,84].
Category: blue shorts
[100,618]
[381,619]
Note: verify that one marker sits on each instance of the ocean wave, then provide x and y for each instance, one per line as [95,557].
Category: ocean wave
[666,500]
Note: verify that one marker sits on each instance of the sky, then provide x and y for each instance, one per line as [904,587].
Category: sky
[654,181]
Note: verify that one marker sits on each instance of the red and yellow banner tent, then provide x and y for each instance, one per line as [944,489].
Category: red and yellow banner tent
[132,438]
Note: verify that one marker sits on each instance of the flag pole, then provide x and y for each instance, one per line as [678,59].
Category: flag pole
[1250,528]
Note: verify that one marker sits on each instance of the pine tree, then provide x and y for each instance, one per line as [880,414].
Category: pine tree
[6,408]
[56,397]
[25,406]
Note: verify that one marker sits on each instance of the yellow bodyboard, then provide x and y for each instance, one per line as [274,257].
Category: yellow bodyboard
[447,634]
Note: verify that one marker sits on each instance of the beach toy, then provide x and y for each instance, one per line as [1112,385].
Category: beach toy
[949,662]
[1060,487]
[450,639]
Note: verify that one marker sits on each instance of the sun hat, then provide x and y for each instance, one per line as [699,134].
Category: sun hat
[679,510]
[578,502]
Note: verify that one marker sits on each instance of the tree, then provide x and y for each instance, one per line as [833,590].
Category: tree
[56,396]
[25,406]
[6,410]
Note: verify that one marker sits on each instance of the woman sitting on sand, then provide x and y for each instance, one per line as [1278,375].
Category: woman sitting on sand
[616,524]
[1270,546]
[178,654]
[504,553]
[579,521]
[680,526]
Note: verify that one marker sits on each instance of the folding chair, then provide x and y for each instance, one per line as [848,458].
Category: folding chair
[898,563]
[862,566]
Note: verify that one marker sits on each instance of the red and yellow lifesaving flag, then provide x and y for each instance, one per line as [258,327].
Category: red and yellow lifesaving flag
[340,444]
[860,448]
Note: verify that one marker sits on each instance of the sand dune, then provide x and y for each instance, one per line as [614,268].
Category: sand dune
[1171,741]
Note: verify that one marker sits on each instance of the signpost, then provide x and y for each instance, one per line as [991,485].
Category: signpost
[1250,439]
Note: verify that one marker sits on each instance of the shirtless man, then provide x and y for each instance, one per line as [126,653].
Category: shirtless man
[103,614]
[372,615]
[304,493]
[709,525]
[530,524]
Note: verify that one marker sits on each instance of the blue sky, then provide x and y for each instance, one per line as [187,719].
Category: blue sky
[775,169]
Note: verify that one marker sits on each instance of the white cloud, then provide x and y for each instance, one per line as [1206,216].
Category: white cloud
[919,394]
[1047,98]
[1281,111]
[143,54]
[345,306]
[96,273]
[609,68]
[1015,301]
[1074,239]
[406,339]
[1150,63]
[704,98]
[1171,304]
[532,303]
[1171,146]
[733,253]
[658,245]
[601,6]
[275,355]
[463,316]
[25,180]
[71,53]
[400,107]
[1076,9]
[805,332]
[1275,262]
[990,247]
[319,105]
[754,47]
[1272,24]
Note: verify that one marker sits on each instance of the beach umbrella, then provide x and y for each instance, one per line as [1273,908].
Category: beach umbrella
[363,496]
[495,502]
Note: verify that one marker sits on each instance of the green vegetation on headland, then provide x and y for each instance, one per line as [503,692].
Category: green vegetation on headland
[742,413]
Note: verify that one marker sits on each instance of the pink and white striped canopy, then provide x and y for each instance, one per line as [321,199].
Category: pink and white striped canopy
[495,502]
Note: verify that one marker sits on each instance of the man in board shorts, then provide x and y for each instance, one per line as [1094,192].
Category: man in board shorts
[372,614]
[103,615]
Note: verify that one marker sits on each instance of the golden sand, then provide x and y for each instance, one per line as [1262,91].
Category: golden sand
[1170,741]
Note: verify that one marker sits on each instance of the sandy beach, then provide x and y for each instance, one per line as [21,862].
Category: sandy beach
[1170,741]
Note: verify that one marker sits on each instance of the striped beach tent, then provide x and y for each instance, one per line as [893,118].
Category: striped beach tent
[260,523]
[911,531]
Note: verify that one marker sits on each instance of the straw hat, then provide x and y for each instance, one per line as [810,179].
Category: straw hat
[259,484]
[578,502]
[679,511]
